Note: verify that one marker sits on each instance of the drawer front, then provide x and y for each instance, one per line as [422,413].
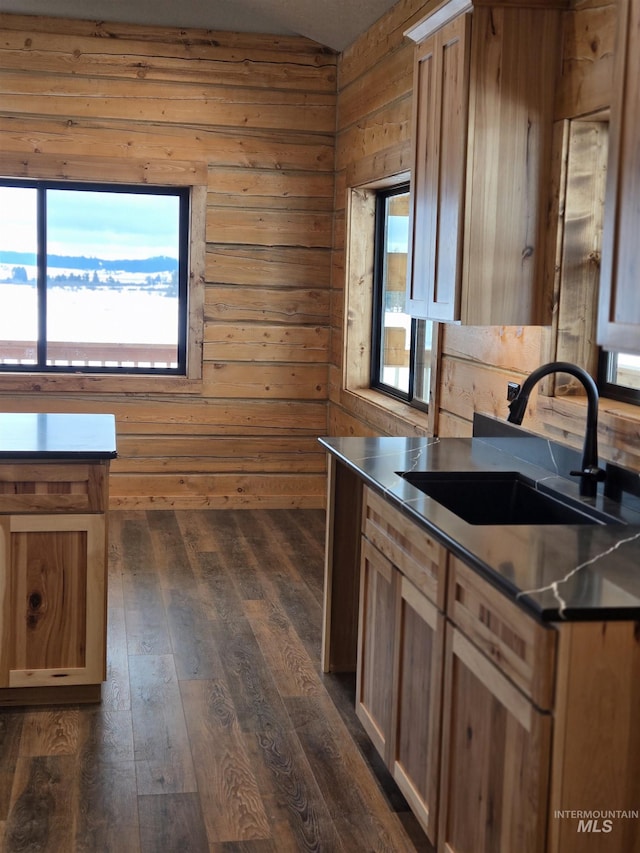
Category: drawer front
[405,544]
[51,487]
[521,648]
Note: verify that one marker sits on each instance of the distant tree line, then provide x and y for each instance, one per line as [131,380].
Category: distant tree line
[158,283]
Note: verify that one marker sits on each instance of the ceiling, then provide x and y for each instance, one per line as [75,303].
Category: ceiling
[334,23]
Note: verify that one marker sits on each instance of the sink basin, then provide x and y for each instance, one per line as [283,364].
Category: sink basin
[499,497]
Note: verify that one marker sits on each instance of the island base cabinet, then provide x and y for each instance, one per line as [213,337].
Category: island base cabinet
[495,762]
[52,589]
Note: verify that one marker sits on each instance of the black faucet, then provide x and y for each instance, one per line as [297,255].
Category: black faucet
[590,474]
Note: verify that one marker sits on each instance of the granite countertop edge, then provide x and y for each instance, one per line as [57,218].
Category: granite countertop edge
[554,572]
[57,436]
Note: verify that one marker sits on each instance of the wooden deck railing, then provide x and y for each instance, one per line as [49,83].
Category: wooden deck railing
[91,354]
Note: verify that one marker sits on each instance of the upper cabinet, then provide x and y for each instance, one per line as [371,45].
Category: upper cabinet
[484,79]
[619,307]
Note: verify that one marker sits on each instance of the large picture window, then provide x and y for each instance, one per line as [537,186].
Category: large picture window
[93,277]
[401,345]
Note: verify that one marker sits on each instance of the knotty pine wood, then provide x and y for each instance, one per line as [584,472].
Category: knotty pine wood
[249,121]
[373,147]
[214,640]
[583,213]
[496,748]
[587,58]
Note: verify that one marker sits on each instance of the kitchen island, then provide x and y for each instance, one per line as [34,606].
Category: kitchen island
[497,667]
[53,556]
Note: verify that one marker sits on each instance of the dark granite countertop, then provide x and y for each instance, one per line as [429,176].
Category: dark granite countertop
[573,572]
[57,436]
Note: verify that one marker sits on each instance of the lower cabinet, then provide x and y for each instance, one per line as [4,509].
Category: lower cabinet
[417,684]
[496,750]
[501,732]
[400,659]
[376,632]
[52,595]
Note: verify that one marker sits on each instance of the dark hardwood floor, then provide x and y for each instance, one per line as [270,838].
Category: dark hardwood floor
[217,730]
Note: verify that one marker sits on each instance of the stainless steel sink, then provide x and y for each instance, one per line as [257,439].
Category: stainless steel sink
[497,497]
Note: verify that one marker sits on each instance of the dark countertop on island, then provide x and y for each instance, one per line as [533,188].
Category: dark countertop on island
[573,572]
[57,436]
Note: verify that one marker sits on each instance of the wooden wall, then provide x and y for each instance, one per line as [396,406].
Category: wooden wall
[260,123]
[475,363]
[252,118]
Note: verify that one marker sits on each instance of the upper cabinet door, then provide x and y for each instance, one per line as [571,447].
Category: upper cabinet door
[441,88]
[482,129]
[619,307]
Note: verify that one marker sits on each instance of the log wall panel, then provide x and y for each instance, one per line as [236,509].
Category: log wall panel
[253,149]
[250,119]
[290,305]
[373,146]
[266,267]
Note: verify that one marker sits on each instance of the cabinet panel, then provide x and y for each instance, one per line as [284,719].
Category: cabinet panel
[520,647]
[376,630]
[441,86]
[417,703]
[619,308]
[484,87]
[408,546]
[53,574]
[53,487]
[496,749]
[514,65]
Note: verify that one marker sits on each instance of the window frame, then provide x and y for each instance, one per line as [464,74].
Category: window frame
[607,388]
[41,186]
[377,322]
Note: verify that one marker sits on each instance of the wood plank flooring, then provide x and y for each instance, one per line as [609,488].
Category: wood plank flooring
[217,730]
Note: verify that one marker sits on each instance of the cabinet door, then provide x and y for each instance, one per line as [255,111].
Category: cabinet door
[495,763]
[619,308]
[417,703]
[53,585]
[482,131]
[376,630]
[440,90]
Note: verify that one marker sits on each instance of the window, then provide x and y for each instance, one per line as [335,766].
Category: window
[93,277]
[401,346]
[619,376]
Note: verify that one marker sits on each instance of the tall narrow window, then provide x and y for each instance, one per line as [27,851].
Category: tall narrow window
[93,278]
[401,346]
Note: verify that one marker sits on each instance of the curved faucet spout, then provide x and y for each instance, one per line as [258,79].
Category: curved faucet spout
[590,474]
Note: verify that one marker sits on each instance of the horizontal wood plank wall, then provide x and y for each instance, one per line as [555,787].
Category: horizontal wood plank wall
[252,117]
[372,145]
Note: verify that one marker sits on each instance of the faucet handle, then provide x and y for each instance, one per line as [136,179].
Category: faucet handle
[589,479]
[593,473]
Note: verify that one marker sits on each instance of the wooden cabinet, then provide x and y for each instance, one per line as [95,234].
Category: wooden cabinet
[440,91]
[52,581]
[399,671]
[374,674]
[619,303]
[417,686]
[484,81]
[496,740]
[501,732]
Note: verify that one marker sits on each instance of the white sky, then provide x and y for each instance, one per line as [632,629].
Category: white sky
[95,224]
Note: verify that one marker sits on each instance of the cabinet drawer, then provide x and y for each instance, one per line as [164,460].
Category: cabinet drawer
[53,487]
[520,647]
[418,556]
